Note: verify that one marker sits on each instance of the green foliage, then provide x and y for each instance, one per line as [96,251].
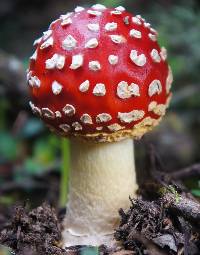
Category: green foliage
[6,200]
[90,251]
[196,192]
[172,190]
[45,149]
[31,128]
[194,185]
[5,250]
[4,104]
[44,153]
[111,3]
[8,148]
[32,166]
[179,31]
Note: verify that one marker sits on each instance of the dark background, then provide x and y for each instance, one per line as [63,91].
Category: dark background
[30,157]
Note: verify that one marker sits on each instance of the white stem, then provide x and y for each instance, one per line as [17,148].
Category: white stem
[102,178]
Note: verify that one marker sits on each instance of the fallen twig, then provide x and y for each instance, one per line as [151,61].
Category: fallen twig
[184,173]
[187,208]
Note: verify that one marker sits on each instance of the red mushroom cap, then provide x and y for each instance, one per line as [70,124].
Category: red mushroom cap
[100,74]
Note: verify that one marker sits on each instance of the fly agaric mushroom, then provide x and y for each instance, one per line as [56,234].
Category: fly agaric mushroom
[99,75]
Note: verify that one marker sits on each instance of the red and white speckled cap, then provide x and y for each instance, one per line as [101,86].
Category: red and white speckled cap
[100,74]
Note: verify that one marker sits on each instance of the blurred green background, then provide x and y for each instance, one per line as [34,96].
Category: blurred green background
[30,156]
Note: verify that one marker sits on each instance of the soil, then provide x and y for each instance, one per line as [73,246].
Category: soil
[151,227]
[34,232]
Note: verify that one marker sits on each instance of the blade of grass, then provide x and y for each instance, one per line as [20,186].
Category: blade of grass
[64,172]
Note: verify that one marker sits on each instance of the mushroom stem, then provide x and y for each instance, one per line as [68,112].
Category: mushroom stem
[102,178]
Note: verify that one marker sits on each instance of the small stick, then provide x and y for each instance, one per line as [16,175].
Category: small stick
[190,171]
[187,208]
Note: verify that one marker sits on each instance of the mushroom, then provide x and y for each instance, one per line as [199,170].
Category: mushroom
[99,77]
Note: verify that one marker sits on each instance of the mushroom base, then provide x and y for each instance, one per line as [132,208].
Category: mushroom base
[102,178]
[90,240]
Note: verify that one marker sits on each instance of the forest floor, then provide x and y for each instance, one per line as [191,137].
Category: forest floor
[164,219]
